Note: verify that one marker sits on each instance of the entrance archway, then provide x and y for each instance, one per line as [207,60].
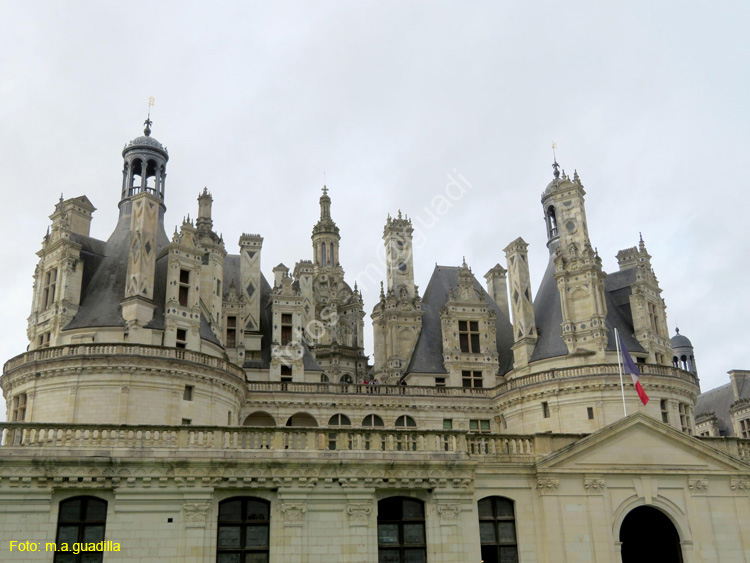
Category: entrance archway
[647,534]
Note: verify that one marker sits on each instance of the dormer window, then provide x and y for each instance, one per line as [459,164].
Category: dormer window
[286,328]
[184,290]
[50,285]
[468,336]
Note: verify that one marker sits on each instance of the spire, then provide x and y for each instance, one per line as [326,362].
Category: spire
[325,205]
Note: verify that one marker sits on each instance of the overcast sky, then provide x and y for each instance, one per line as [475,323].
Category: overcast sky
[255,100]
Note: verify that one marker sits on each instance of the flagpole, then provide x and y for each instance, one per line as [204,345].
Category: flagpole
[619,366]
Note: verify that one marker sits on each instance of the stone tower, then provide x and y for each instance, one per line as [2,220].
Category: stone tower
[578,268]
[397,318]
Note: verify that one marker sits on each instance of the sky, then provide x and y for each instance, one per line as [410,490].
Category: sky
[396,103]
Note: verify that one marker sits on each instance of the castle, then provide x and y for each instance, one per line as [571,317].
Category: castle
[177,402]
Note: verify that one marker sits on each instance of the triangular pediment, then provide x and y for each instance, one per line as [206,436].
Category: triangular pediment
[639,443]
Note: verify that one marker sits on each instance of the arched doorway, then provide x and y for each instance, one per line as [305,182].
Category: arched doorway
[647,534]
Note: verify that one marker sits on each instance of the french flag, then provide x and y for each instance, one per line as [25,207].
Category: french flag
[630,367]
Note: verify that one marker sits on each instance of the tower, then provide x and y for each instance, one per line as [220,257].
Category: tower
[399,258]
[325,237]
[524,329]
[142,197]
[577,267]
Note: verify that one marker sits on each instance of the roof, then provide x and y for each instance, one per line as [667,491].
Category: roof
[717,401]
[680,341]
[428,352]
[548,313]
[105,267]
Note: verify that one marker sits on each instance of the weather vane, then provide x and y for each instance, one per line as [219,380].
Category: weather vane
[148,121]
[555,166]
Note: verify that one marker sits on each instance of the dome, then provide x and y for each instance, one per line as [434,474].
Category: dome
[143,140]
[680,341]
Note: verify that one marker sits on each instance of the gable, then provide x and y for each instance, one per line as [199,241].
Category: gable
[640,444]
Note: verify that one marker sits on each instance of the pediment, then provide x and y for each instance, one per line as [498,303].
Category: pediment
[639,443]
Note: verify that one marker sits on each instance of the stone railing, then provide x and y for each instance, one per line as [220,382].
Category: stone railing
[591,371]
[69,439]
[362,389]
[737,447]
[141,350]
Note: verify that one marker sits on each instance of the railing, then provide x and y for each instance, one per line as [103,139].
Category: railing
[52,438]
[89,350]
[363,389]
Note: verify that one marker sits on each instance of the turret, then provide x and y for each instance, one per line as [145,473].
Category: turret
[399,258]
[577,266]
[325,237]
[683,355]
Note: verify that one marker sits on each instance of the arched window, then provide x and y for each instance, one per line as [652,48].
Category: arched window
[333,437]
[406,441]
[339,420]
[243,530]
[324,378]
[401,530]
[497,530]
[302,419]
[675,362]
[259,418]
[372,420]
[683,362]
[81,520]
[346,378]
[551,222]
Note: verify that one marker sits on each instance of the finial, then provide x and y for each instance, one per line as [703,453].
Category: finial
[148,123]
[464,262]
[399,214]
[325,189]
[382,293]
[576,178]
[555,166]
[61,197]
[677,330]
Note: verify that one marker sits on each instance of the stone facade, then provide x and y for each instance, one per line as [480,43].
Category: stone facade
[221,416]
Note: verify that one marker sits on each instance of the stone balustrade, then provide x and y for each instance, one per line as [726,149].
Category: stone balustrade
[47,439]
[141,350]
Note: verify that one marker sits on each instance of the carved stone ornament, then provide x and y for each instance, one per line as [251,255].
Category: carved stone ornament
[594,485]
[195,514]
[359,513]
[740,485]
[449,513]
[293,513]
[698,485]
[547,485]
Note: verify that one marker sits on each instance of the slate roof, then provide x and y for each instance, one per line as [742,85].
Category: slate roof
[717,401]
[105,266]
[548,313]
[428,352]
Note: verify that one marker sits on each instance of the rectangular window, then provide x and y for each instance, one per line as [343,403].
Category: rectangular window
[184,290]
[44,340]
[231,332]
[471,379]
[439,382]
[229,418]
[181,338]
[286,373]
[745,428]
[590,412]
[447,424]
[19,408]
[187,421]
[479,425]
[468,336]
[664,411]
[685,418]
[286,328]
[545,409]
[653,317]
[50,285]
[187,394]
[218,288]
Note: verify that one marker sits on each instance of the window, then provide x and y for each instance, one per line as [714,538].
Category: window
[324,378]
[497,530]
[590,412]
[339,420]
[218,288]
[286,374]
[184,289]
[653,317]
[231,331]
[664,411]
[286,328]
[406,441]
[181,338]
[551,222]
[44,340]
[685,418]
[439,382]
[187,394]
[405,421]
[479,425]
[468,336]
[401,531]
[187,421]
[372,420]
[447,424]
[50,284]
[745,428]
[471,379]
[243,530]
[81,520]
[18,413]
[545,409]
[229,418]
